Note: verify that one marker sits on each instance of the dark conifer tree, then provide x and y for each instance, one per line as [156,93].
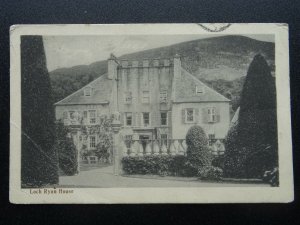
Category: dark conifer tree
[257,126]
[233,162]
[38,157]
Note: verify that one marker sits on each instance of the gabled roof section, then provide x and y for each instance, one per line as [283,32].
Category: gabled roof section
[101,92]
[185,90]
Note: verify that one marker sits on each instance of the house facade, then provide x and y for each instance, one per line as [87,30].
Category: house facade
[156,98]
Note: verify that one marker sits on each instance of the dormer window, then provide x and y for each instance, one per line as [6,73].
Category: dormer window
[199,90]
[87,91]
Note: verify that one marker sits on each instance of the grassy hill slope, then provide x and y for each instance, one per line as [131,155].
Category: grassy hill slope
[221,62]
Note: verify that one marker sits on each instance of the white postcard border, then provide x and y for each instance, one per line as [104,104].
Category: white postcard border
[283,193]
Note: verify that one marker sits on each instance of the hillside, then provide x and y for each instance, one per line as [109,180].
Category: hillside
[231,89]
[214,60]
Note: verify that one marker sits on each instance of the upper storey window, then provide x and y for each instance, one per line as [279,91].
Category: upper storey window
[145,97]
[163,96]
[128,119]
[128,97]
[92,116]
[146,119]
[212,117]
[164,118]
[87,91]
[190,115]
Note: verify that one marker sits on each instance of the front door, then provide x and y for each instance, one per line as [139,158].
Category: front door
[144,139]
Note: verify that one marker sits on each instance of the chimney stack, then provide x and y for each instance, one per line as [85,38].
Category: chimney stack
[177,66]
[112,67]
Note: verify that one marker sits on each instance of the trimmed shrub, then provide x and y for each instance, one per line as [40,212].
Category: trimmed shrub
[210,173]
[218,161]
[67,153]
[196,137]
[198,154]
[157,165]
[68,157]
[102,151]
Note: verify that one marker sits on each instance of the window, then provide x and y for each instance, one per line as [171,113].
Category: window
[65,115]
[92,115]
[128,97]
[199,90]
[128,119]
[102,119]
[164,118]
[163,96]
[87,91]
[211,138]
[72,114]
[189,116]
[146,97]
[92,142]
[93,159]
[212,115]
[164,139]
[85,114]
[146,119]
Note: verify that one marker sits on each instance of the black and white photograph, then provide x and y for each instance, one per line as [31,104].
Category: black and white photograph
[109,113]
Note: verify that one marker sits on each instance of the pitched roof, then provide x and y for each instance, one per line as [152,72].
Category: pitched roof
[101,92]
[185,90]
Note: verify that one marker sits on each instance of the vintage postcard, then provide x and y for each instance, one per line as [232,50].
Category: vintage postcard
[150,113]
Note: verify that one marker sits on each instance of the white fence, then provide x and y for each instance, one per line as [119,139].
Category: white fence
[164,147]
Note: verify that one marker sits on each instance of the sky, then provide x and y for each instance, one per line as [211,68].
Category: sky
[68,51]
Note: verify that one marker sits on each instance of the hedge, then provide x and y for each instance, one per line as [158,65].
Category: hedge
[210,173]
[157,165]
[168,166]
